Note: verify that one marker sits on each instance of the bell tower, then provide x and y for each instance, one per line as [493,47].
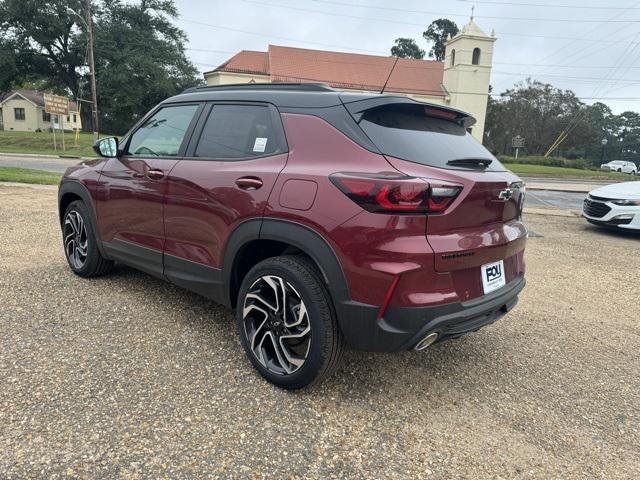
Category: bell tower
[467,72]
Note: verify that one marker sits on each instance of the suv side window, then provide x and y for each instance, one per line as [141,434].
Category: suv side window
[238,131]
[163,133]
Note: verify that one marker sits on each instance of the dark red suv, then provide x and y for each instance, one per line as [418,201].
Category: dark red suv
[326,219]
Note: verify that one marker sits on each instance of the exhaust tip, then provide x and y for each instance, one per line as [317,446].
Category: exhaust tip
[426,341]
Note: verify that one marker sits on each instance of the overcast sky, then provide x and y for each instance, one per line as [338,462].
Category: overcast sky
[589,46]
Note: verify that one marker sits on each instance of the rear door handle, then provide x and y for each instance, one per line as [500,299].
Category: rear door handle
[154,174]
[249,183]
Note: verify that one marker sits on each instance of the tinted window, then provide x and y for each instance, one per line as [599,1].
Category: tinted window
[407,132]
[162,134]
[238,131]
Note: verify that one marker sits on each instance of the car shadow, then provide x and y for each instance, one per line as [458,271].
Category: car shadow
[360,374]
[608,231]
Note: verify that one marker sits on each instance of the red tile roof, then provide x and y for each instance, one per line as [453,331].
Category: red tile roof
[341,70]
[247,61]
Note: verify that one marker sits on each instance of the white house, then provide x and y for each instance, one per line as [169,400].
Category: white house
[23,111]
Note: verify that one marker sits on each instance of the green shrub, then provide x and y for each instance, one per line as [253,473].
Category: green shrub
[580,163]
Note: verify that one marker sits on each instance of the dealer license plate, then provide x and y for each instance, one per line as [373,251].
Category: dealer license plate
[492,276]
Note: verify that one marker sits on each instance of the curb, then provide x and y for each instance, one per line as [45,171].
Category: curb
[559,189]
[552,212]
[37,155]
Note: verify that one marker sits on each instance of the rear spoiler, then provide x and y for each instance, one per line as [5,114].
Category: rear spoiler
[357,108]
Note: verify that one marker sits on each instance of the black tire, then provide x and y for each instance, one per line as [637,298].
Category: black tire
[93,264]
[325,343]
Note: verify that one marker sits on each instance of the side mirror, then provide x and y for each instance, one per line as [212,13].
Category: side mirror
[106,147]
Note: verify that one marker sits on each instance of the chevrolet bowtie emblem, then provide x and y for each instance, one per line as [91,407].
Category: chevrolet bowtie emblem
[505,195]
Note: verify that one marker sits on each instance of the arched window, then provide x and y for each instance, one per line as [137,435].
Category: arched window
[476,56]
[453,57]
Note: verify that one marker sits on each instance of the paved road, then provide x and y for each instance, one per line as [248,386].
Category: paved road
[53,164]
[125,376]
[549,198]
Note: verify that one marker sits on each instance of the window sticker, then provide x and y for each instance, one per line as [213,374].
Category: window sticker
[260,144]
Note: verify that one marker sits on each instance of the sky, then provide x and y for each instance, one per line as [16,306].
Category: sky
[591,46]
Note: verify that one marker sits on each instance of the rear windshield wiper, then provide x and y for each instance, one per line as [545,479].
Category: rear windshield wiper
[471,162]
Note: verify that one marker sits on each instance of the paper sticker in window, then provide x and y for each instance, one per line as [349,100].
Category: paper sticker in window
[260,144]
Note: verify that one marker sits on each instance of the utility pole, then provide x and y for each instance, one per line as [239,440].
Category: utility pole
[92,71]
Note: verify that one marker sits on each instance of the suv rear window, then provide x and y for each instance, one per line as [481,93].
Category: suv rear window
[410,132]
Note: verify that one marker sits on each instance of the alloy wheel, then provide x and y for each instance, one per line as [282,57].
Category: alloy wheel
[75,239]
[276,325]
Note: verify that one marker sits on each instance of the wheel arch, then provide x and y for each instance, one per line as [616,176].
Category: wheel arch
[70,191]
[282,237]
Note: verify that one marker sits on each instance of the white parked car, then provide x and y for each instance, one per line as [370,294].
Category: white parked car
[620,166]
[616,205]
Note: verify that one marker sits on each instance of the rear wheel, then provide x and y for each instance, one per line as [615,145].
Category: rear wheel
[286,322]
[80,244]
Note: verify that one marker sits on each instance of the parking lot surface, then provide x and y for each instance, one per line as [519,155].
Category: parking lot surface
[129,377]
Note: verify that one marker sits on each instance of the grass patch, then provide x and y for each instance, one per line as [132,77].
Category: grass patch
[29,175]
[544,170]
[42,143]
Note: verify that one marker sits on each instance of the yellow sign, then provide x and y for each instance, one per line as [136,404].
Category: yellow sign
[56,104]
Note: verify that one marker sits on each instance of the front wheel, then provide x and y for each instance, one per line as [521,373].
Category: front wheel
[287,324]
[80,244]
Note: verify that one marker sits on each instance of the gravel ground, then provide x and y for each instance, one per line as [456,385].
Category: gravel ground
[129,377]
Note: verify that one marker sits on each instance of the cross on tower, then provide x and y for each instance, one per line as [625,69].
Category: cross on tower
[473,8]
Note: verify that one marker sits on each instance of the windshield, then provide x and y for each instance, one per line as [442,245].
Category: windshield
[411,132]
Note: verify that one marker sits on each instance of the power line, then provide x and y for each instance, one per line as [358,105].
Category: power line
[567,77]
[545,5]
[438,67]
[228,52]
[427,12]
[279,37]
[560,66]
[439,93]
[557,37]
[353,62]
[578,118]
[591,30]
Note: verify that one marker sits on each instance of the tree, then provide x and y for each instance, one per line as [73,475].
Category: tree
[407,48]
[140,60]
[139,53]
[44,42]
[539,112]
[437,33]
[8,64]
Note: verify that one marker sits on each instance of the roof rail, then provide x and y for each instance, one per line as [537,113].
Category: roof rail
[303,87]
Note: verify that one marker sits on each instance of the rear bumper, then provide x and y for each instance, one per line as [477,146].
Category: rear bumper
[402,328]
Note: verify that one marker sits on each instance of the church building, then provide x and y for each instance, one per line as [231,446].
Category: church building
[460,81]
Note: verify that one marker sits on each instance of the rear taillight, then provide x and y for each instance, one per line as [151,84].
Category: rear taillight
[396,193]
